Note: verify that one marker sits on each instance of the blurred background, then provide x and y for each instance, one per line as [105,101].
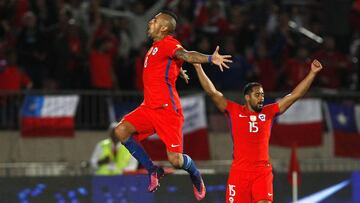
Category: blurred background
[69,68]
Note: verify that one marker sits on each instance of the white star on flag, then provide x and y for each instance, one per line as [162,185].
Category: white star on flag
[341,118]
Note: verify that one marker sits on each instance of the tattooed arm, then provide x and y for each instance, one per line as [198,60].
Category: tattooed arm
[196,57]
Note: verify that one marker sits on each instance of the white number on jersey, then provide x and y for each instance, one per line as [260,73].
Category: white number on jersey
[146,61]
[253,128]
[232,191]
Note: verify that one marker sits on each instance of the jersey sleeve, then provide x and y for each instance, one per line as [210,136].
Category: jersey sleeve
[273,109]
[230,105]
[171,47]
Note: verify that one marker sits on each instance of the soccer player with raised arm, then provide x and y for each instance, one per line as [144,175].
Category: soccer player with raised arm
[250,179]
[161,110]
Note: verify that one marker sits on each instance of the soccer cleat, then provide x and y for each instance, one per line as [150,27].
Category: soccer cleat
[199,191]
[154,179]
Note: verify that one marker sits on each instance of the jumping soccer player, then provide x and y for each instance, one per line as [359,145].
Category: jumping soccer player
[250,179]
[161,110]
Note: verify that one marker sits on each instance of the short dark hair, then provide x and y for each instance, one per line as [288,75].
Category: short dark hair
[248,87]
[170,13]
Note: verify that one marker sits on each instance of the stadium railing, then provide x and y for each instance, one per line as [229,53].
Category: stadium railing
[93,109]
[93,113]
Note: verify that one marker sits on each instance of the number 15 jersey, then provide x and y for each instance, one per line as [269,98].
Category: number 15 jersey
[250,133]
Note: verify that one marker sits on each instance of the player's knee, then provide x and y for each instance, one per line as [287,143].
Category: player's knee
[175,160]
[121,132]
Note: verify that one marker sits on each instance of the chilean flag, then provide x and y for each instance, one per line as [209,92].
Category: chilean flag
[196,141]
[301,124]
[44,116]
[345,127]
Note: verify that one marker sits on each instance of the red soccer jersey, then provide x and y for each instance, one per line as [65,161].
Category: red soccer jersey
[250,133]
[160,72]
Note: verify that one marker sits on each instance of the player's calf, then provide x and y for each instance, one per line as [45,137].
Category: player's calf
[176,159]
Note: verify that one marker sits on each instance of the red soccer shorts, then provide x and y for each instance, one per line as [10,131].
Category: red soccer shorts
[249,187]
[164,121]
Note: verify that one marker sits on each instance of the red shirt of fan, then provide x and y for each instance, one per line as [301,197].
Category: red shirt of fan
[161,70]
[250,133]
[11,78]
[100,69]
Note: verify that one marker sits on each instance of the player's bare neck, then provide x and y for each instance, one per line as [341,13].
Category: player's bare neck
[160,37]
[248,106]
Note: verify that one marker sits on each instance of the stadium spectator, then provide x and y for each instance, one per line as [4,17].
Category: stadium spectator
[296,68]
[70,52]
[239,72]
[184,9]
[338,66]
[36,29]
[138,17]
[211,18]
[266,72]
[32,50]
[101,65]
[11,76]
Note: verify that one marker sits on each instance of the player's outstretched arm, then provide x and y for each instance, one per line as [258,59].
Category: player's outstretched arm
[217,97]
[196,57]
[301,88]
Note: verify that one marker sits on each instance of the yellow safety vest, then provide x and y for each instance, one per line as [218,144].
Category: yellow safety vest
[117,163]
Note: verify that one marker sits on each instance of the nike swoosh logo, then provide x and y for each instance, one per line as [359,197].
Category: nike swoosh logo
[241,116]
[270,194]
[175,145]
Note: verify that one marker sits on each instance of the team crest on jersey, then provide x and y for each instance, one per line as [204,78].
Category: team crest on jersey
[262,117]
[154,51]
[253,118]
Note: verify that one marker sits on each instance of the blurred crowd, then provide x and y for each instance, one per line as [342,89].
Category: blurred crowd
[100,44]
